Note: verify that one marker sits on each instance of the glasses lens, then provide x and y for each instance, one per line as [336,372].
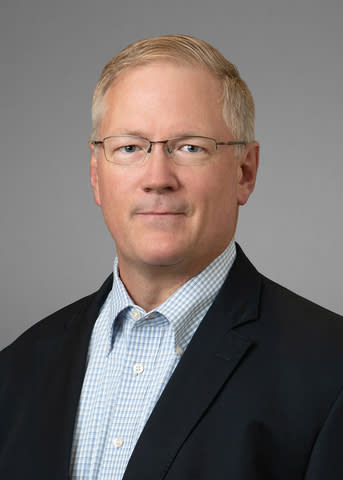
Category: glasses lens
[192,150]
[125,149]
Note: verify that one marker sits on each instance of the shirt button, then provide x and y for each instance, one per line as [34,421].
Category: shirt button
[138,368]
[118,442]
[136,314]
[179,350]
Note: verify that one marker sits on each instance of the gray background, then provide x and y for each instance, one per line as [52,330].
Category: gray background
[54,244]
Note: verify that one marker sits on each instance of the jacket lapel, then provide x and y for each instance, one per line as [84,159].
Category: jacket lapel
[60,361]
[210,359]
[78,334]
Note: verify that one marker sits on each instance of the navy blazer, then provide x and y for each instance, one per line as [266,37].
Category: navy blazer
[257,394]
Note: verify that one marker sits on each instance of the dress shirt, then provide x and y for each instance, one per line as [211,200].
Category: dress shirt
[132,355]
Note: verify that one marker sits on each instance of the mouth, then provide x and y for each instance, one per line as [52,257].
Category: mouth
[157,210]
[163,214]
[160,219]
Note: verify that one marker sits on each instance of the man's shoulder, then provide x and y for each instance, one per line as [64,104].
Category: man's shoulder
[55,323]
[48,328]
[273,298]
[299,325]
[285,318]
[288,303]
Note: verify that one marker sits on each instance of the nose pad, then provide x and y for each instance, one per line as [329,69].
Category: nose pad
[166,147]
[149,149]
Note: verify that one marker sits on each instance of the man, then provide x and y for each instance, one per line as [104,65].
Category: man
[187,363]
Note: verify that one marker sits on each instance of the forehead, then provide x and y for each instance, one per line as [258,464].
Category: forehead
[164,92]
[164,64]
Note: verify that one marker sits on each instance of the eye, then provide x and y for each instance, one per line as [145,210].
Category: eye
[129,148]
[189,148]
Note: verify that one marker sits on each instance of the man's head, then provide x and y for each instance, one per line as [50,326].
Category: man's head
[162,212]
[238,103]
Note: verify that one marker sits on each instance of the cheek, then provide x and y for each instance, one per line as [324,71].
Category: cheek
[109,183]
[221,205]
[222,191]
[111,197]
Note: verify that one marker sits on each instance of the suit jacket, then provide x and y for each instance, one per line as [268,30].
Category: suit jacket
[257,394]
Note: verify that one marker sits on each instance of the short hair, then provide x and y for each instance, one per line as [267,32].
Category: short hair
[238,103]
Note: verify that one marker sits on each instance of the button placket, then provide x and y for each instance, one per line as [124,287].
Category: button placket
[138,368]
[179,350]
[118,442]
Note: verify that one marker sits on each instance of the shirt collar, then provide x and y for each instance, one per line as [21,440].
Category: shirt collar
[196,296]
[190,301]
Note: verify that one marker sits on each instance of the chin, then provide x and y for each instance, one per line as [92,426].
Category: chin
[166,260]
[163,255]
[162,249]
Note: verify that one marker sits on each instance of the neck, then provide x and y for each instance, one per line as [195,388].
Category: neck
[150,286]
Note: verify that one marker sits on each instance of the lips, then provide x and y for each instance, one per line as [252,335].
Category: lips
[160,213]
[162,210]
[162,207]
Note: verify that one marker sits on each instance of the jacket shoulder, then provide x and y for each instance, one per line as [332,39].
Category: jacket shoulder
[55,323]
[289,302]
[47,328]
[301,324]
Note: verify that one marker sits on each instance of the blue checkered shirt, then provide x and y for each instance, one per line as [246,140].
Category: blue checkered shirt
[132,354]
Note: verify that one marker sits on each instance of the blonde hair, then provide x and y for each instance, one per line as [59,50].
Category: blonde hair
[238,103]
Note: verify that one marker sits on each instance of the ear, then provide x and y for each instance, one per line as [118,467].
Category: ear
[93,175]
[247,171]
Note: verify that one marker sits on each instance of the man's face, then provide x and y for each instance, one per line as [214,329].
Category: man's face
[161,214]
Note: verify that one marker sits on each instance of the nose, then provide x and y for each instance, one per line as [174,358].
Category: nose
[160,172]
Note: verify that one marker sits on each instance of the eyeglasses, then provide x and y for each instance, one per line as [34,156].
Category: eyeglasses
[132,149]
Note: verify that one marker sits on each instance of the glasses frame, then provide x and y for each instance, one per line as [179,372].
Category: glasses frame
[97,143]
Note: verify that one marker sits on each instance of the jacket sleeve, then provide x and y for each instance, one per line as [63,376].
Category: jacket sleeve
[326,460]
